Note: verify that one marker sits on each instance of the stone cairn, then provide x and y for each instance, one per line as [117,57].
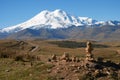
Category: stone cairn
[65,57]
[54,57]
[90,67]
[89,49]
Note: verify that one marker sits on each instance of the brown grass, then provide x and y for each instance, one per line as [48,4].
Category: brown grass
[21,52]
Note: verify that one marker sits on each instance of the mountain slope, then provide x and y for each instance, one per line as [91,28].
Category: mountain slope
[97,33]
[60,25]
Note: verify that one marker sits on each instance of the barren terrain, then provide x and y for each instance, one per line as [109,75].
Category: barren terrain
[31,59]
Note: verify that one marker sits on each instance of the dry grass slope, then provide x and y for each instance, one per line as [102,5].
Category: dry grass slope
[30,68]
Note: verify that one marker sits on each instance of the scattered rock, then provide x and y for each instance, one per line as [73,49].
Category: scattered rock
[90,68]
[30,74]
[54,57]
[7,70]
[65,57]
[48,70]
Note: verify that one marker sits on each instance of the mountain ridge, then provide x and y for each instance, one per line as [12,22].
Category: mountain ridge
[56,19]
[60,25]
[106,33]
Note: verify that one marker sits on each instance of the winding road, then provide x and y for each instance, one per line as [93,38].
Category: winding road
[35,47]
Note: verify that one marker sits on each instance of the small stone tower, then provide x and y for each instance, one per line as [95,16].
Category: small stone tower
[89,49]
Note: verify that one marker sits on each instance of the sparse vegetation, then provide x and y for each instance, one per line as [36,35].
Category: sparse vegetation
[74,44]
[19,63]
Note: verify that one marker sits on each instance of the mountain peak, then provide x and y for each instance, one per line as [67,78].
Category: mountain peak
[55,19]
[59,11]
[45,12]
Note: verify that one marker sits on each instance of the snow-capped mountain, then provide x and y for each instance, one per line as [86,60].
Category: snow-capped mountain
[55,19]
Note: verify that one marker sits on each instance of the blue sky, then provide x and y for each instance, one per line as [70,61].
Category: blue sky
[13,12]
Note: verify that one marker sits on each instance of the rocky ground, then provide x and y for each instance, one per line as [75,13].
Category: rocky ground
[74,68]
[33,60]
[84,70]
